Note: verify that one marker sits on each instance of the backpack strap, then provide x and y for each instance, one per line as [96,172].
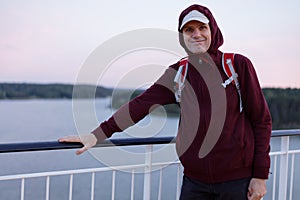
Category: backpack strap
[229,69]
[180,78]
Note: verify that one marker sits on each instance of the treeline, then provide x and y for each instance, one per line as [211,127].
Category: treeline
[284,104]
[51,91]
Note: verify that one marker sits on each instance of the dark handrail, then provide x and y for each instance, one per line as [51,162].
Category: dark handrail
[281,133]
[55,145]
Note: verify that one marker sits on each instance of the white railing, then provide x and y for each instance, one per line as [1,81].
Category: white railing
[286,174]
[280,185]
[93,171]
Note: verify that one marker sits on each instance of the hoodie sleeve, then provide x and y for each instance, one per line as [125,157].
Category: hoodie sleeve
[256,109]
[160,93]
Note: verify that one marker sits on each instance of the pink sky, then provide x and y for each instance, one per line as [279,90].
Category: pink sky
[46,42]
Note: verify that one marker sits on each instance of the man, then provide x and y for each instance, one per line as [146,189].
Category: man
[236,160]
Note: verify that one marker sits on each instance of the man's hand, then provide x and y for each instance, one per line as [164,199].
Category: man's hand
[257,189]
[88,141]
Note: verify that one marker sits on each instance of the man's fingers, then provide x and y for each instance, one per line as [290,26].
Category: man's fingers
[69,139]
[255,196]
[88,141]
[80,151]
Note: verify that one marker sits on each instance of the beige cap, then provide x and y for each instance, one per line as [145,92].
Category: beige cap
[194,15]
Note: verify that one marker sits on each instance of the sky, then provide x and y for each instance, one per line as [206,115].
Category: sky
[45,41]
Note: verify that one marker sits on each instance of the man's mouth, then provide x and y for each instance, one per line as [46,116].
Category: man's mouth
[199,42]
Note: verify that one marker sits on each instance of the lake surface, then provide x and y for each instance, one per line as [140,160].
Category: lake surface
[47,120]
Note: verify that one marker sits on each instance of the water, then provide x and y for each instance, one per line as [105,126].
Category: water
[47,120]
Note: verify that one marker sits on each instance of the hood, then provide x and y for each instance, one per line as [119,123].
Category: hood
[216,35]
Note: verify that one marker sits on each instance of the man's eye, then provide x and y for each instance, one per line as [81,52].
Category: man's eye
[202,27]
[188,30]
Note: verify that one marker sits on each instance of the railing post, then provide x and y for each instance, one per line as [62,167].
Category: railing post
[283,172]
[147,172]
[178,187]
[22,188]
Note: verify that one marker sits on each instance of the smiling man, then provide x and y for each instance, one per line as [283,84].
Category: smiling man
[234,169]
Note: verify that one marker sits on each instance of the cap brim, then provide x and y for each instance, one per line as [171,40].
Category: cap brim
[203,20]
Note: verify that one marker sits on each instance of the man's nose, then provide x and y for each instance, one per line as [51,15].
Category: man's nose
[196,33]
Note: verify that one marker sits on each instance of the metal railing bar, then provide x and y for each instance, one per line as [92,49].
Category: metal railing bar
[113,185]
[164,164]
[136,141]
[68,172]
[278,153]
[36,146]
[73,172]
[274,178]
[71,187]
[132,184]
[178,182]
[22,188]
[292,177]
[283,155]
[160,184]
[81,171]
[147,172]
[48,175]
[47,187]
[93,186]
[281,133]
[284,164]
[55,145]
[293,151]
[24,176]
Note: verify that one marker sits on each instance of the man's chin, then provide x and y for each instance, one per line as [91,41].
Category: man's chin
[199,51]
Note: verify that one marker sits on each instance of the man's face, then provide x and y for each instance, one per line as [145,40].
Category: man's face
[197,36]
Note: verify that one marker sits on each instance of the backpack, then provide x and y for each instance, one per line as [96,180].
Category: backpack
[229,70]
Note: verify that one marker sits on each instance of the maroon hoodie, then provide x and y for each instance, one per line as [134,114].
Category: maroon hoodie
[236,144]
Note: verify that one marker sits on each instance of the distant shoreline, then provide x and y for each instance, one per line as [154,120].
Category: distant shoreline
[284,103]
[51,91]
[22,91]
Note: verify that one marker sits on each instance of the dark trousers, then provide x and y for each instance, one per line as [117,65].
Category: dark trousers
[231,190]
